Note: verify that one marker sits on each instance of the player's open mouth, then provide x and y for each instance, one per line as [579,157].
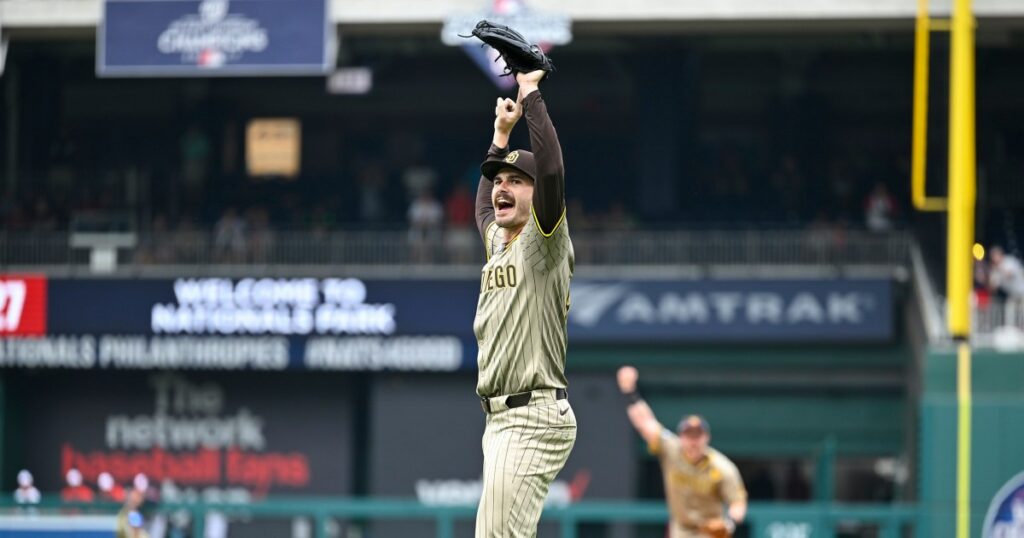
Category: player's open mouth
[504,204]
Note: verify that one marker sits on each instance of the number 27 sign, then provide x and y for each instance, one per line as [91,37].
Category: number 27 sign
[22,305]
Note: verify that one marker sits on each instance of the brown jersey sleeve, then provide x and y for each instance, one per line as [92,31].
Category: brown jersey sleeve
[484,206]
[549,185]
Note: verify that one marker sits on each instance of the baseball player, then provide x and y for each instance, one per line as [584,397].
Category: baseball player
[520,318]
[699,480]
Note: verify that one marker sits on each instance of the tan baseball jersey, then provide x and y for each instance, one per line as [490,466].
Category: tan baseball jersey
[521,333]
[521,314]
[696,492]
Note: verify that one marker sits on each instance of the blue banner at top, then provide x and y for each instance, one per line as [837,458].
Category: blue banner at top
[664,311]
[214,38]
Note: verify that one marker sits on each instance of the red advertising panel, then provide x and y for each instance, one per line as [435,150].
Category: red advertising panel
[22,305]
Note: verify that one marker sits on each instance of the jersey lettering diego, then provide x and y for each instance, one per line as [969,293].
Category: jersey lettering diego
[520,323]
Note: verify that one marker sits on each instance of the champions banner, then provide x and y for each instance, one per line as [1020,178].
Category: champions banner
[350,324]
[214,37]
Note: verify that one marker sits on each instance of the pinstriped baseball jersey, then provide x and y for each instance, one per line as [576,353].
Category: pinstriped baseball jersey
[696,492]
[520,323]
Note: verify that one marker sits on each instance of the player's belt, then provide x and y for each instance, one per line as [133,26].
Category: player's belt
[512,401]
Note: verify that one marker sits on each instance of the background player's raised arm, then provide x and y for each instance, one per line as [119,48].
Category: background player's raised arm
[549,185]
[640,414]
[506,113]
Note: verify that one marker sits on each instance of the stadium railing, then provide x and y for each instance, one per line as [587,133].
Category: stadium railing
[399,247]
[764,520]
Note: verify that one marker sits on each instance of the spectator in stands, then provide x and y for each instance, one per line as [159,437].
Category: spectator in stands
[155,246]
[417,179]
[229,237]
[879,209]
[426,217]
[372,183]
[26,492]
[1006,277]
[261,236]
[110,490]
[460,237]
[825,238]
[76,491]
[141,483]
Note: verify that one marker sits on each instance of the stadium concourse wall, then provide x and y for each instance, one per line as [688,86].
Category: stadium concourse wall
[997,440]
[190,379]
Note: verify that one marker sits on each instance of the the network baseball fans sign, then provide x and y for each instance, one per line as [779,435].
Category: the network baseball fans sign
[197,435]
[214,37]
[350,324]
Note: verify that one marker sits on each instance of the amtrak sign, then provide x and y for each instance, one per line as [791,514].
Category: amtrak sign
[731,310]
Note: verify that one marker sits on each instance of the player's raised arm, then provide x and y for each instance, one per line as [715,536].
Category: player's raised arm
[640,414]
[506,113]
[549,185]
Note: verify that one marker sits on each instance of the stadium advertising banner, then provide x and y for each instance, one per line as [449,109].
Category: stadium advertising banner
[341,324]
[214,37]
[446,471]
[731,311]
[349,324]
[196,436]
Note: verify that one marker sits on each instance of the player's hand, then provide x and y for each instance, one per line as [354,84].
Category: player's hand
[627,376]
[531,78]
[717,528]
[529,82]
[506,113]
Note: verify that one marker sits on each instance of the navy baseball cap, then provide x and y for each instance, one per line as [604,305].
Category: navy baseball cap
[519,159]
[693,423]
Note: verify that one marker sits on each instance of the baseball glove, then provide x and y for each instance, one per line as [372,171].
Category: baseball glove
[520,55]
[717,528]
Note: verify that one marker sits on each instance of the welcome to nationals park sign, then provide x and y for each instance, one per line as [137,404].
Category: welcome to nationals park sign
[236,324]
[349,324]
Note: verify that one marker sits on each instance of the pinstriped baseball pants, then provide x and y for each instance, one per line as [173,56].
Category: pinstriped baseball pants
[524,448]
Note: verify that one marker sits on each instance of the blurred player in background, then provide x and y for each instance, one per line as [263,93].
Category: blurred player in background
[129,520]
[699,480]
[521,317]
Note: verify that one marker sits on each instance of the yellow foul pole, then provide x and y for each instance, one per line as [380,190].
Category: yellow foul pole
[960,239]
[922,45]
